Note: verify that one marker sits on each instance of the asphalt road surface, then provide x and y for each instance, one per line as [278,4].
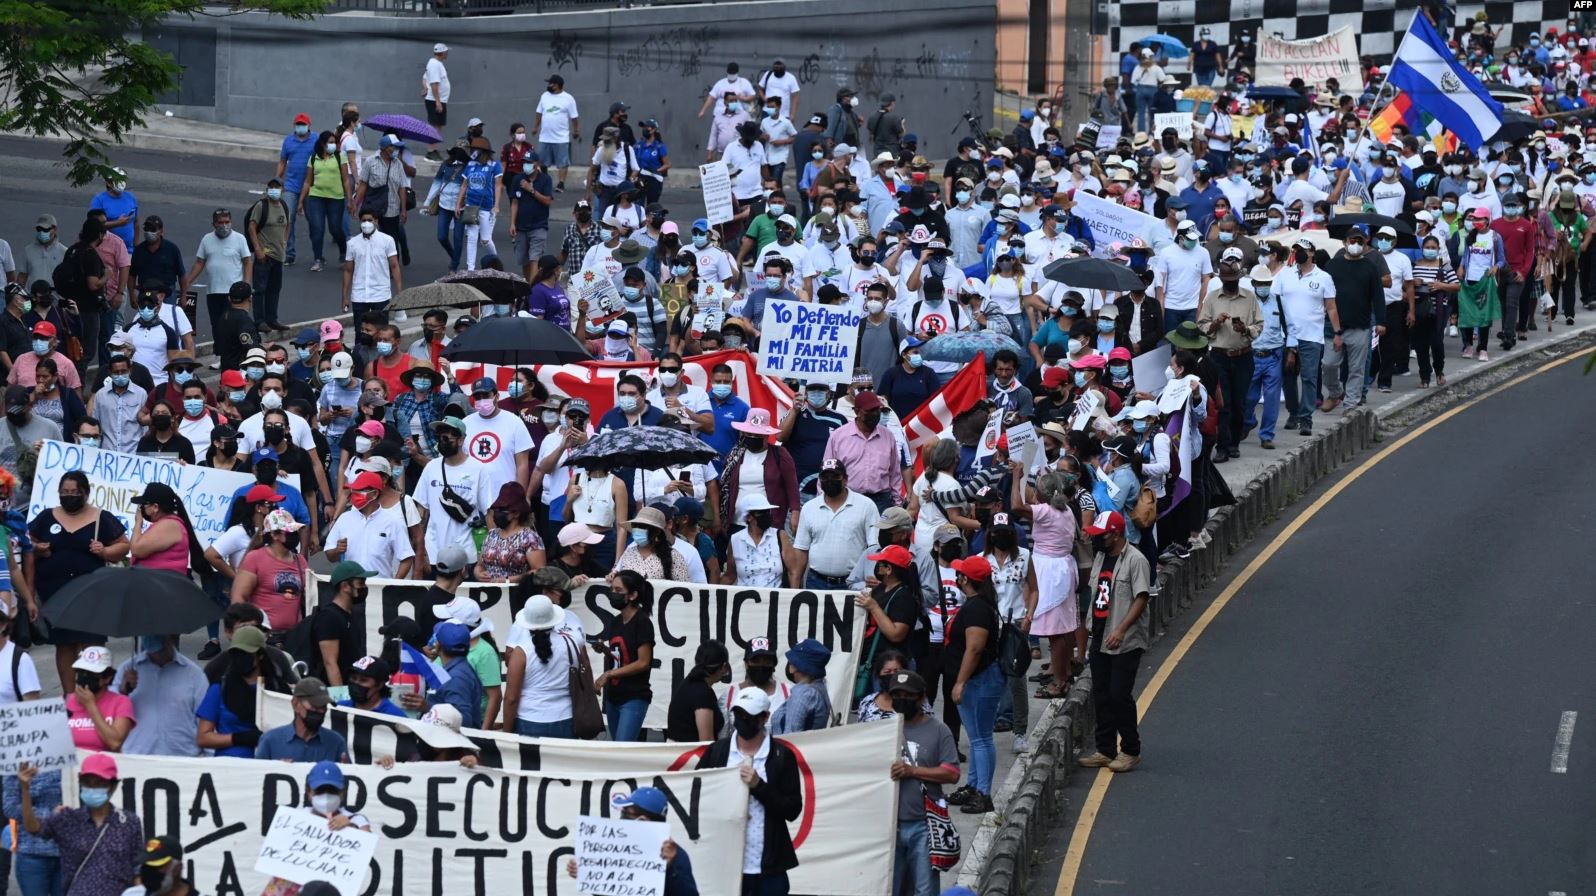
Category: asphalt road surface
[183,189]
[1383,707]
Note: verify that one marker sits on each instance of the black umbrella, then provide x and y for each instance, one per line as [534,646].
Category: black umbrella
[1340,224]
[1515,126]
[121,602]
[515,340]
[1093,273]
[645,447]
[503,287]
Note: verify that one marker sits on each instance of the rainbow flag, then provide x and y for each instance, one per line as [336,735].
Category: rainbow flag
[1404,111]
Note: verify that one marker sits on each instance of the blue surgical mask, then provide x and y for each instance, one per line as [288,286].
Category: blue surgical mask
[325,376]
[236,396]
[274,192]
[146,314]
[1105,326]
[594,329]
[606,234]
[773,283]
[253,374]
[517,388]
[94,797]
[501,310]
[89,441]
[1080,379]
[734,106]
[681,270]
[301,129]
[1432,253]
[639,536]
[915,361]
[181,377]
[422,384]
[722,391]
[817,398]
[631,292]
[1261,290]
[1449,207]
[41,346]
[962,196]
[304,353]
[1118,371]
[700,240]
[1513,210]
[193,406]
[1140,425]
[385,348]
[1069,311]
[627,403]
[1226,236]
[46,236]
[528,169]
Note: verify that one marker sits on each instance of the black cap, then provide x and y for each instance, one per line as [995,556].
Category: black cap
[155,222]
[17,397]
[618,107]
[157,493]
[555,79]
[161,851]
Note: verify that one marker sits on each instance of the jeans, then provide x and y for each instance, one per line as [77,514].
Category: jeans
[774,884]
[1173,318]
[482,232]
[1355,351]
[218,587]
[38,875]
[1113,696]
[1144,106]
[396,229]
[1301,400]
[939,678]
[1429,339]
[451,237]
[776,172]
[1235,376]
[268,283]
[1265,385]
[562,728]
[1206,78]
[625,719]
[324,215]
[216,308]
[814,582]
[979,713]
[1513,292]
[1021,324]
[912,874]
[1014,707]
[90,323]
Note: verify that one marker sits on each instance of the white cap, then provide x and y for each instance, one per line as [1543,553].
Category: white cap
[342,365]
[1425,216]
[751,503]
[1143,410]
[440,48]
[788,220]
[1187,224]
[752,701]
[574,533]
[473,122]
[1261,274]
[94,659]
[465,611]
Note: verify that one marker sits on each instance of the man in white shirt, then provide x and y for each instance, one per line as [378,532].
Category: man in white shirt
[377,541]
[371,268]
[732,83]
[555,121]
[1480,195]
[780,83]
[746,159]
[435,94]
[498,439]
[1183,270]
[251,431]
[1050,243]
[1308,295]
[455,469]
[1399,296]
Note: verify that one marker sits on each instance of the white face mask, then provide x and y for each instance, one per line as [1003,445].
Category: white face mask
[271,401]
[368,227]
[668,380]
[326,803]
[873,307]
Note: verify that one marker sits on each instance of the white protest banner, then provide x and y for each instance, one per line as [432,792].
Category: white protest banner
[603,299]
[715,180]
[1180,121]
[808,342]
[299,846]
[1315,60]
[35,732]
[116,478]
[1108,136]
[1111,222]
[443,828]
[685,615]
[844,772]
[620,857]
[1021,436]
[1147,369]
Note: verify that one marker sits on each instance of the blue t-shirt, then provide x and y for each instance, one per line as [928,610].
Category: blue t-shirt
[293,501]
[117,207]
[650,154]
[213,710]
[296,152]
[732,410]
[531,214]
[386,707]
[479,178]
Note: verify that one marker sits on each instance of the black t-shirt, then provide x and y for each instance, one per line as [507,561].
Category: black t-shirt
[1103,599]
[235,336]
[293,459]
[622,642]
[901,606]
[975,613]
[681,723]
[963,168]
[69,551]
[176,444]
[16,337]
[331,623]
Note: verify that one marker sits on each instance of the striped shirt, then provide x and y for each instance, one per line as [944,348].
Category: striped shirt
[1426,271]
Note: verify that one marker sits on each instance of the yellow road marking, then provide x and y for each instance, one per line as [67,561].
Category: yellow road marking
[1082,833]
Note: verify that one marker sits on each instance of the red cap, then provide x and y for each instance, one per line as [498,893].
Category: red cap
[974,567]
[1120,353]
[301,118]
[1106,522]
[371,428]
[896,554]
[100,765]
[1090,362]
[1003,442]
[867,401]
[367,481]
[1053,377]
[44,328]
[233,379]
[261,493]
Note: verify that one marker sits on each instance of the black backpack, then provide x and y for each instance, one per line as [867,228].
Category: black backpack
[300,644]
[68,278]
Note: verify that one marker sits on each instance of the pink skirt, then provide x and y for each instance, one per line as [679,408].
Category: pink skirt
[1056,575]
[1061,620]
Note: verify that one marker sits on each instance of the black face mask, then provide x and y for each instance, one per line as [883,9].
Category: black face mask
[755,444]
[242,664]
[274,434]
[314,718]
[360,593]
[85,679]
[229,447]
[832,487]
[18,418]
[72,503]
[908,707]
[266,472]
[761,675]
[153,879]
[1002,539]
[359,693]
[761,518]
[747,726]
[501,518]
[618,601]
[984,517]
[448,447]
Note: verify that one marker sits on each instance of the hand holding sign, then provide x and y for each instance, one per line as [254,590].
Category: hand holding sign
[301,846]
[36,737]
[621,857]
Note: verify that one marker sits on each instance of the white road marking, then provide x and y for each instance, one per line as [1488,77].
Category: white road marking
[1565,739]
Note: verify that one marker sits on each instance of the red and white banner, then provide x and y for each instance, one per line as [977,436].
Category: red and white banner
[595,381]
[930,420]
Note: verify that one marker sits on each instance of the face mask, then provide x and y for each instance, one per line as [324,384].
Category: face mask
[236,397]
[776,209]
[756,444]
[908,707]
[1226,236]
[360,499]
[1140,425]
[817,155]
[45,236]
[1080,379]
[1118,371]
[368,227]
[1075,345]
[1275,223]
[734,106]
[734,342]
[326,803]
[266,472]
[1476,186]
[229,447]
[627,403]
[1069,311]
[1354,249]
[276,368]
[831,487]
[867,258]
[223,231]
[274,193]
[1312,218]
[1189,243]
[362,444]
[448,446]
[594,329]
[94,797]
[700,240]
[773,284]
[873,306]
[485,406]
[606,234]
[161,422]
[722,391]
[1513,211]
[915,361]
[1384,245]
[963,196]
[1449,207]
[747,726]
[271,401]
[639,537]
[1105,326]
[1389,171]
[41,346]
[193,406]
[1432,253]
[146,314]
[761,675]
[385,348]
[254,374]
[275,433]
[631,292]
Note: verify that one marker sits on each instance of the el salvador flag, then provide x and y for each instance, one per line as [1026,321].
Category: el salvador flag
[415,662]
[1425,68]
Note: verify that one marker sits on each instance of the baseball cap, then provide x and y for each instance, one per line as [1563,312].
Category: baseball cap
[974,566]
[451,559]
[908,682]
[323,773]
[896,554]
[44,328]
[440,48]
[330,330]
[248,639]
[895,518]
[451,422]
[578,533]
[93,659]
[345,570]
[752,701]
[651,801]
[374,666]
[263,453]
[301,118]
[1112,521]
[484,386]
[160,851]
[101,765]
[312,691]
[259,493]
[452,636]
[465,611]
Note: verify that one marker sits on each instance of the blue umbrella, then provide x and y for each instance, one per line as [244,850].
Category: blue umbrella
[962,346]
[1169,46]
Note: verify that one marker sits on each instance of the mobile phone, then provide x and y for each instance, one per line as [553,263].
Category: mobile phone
[684,477]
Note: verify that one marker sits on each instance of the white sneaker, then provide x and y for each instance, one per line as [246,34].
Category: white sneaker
[1484,355]
[1021,744]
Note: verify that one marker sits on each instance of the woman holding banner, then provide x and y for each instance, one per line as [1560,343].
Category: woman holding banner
[1053,556]
[72,540]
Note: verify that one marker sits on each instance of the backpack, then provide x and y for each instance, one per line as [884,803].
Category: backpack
[68,277]
[300,644]
[257,214]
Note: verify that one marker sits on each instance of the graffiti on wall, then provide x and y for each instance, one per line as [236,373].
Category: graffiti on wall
[565,49]
[679,51]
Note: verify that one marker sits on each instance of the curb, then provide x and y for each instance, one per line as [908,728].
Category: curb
[999,861]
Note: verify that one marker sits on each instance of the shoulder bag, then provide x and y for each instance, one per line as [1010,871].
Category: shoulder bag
[942,835]
[587,719]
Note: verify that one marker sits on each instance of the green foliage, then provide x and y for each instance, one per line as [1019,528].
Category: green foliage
[76,68]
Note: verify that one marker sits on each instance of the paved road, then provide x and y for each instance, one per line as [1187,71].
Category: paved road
[184,189]
[1377,710]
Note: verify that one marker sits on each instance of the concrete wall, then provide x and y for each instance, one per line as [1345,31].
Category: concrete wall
[936,56]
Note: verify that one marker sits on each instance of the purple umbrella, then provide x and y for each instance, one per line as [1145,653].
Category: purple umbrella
[406,127]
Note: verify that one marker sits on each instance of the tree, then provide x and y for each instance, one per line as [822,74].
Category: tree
[75,68]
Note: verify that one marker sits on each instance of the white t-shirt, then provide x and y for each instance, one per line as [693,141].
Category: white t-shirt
[232,545]
[736,84]
[351,144]
[198,432]
[495,441]
[714,263]
[545,688]
[687,559]
[784,87]
[1303,299]
[614,173]
[224,260]
[778,128]
[27,680]
[1182,271]
[251,434]
[149,348]
[557,109]
[553,483]
[435,74]
[1401,272]
[1387,197]
[745,161]
[795,252]
[1304,191]
[465,480]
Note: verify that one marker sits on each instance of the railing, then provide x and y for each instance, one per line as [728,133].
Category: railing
[458,8]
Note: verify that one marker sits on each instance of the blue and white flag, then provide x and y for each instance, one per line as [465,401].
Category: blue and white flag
[1425,68]
[415,662]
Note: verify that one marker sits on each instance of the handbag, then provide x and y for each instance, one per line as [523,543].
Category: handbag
[454,504]
[1145,511]
[470,215]
[375,201]
[941,834]
[587,719]
[1013,652]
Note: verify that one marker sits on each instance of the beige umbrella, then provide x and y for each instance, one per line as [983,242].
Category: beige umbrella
[1321,239]
[439,295]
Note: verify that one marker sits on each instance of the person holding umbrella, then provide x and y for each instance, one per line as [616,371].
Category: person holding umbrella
[72,540]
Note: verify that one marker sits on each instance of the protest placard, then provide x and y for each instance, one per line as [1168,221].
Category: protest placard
[715,180]
[1111,222]
[35,732]
[1108,136]
[620,857]
[299,846]
[444,828]
[596,286]
[1180,121]
[1315,60]
[1021,436]
[843,771]
[116,478]
[1147,369]
[808,342]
